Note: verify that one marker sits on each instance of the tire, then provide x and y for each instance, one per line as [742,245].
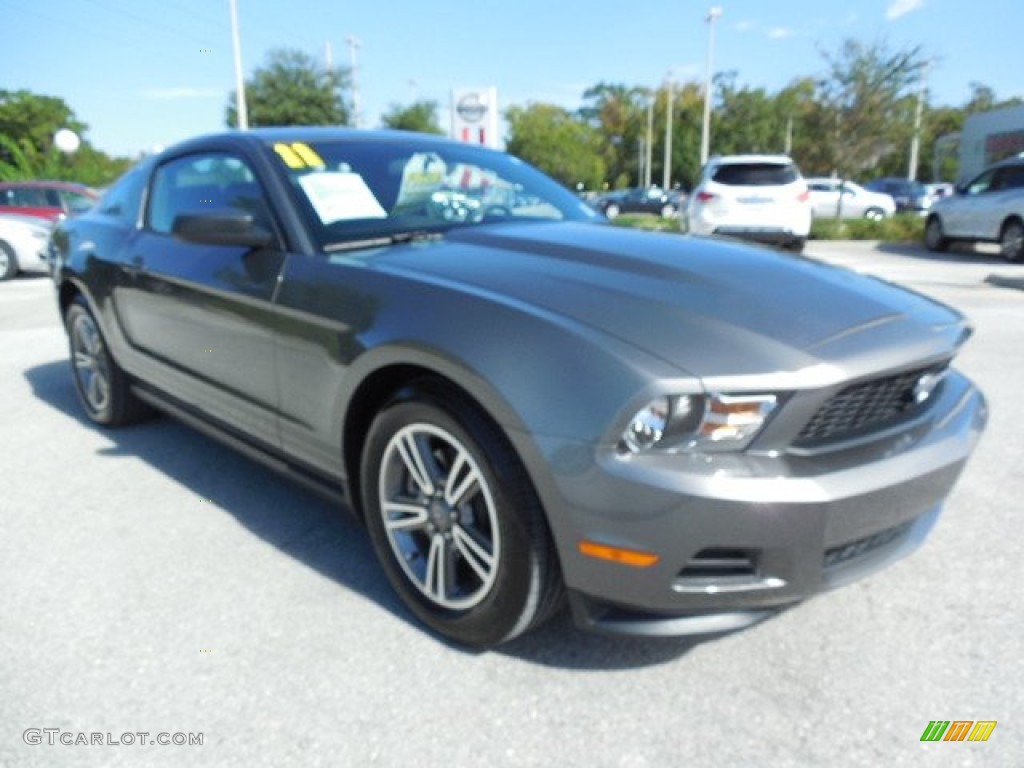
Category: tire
[797,245]
[934,238]
[1011,240]
[612,210]
[8,262]
[480,569]
[103,388]
[668,211]
[874,214]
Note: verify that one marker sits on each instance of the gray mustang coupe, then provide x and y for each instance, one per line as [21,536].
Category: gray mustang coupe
[525,405]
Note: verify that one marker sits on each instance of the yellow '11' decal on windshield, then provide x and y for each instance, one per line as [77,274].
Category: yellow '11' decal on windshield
[298,155]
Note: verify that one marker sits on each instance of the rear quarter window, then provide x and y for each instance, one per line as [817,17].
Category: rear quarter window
[756,174]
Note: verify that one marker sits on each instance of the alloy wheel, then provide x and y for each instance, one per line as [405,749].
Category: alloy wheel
[91,366]
[439,516]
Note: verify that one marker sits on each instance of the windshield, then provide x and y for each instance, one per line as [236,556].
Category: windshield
[355,189]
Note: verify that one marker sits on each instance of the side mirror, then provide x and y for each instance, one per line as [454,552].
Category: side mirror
[226,226]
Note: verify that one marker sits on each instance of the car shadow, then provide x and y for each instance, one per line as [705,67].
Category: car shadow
[321,535]
[958,253]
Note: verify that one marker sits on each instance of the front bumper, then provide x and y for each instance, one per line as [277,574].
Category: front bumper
[738,536]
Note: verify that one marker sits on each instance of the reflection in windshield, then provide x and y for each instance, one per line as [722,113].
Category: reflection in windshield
[365,188]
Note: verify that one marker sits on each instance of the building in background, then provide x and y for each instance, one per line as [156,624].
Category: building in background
[475,116]
[988,137]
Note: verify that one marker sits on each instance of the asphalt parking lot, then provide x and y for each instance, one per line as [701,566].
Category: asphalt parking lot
[155,581]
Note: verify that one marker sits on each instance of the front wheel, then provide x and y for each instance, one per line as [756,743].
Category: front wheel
[612,210]
[934,238]
[874,214]
[455,522]
[1011,241]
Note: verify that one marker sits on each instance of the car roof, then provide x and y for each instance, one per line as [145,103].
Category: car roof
[70,186]
[753,158]
[263,136]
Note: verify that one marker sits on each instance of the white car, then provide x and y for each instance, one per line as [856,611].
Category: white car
[988,209]
[23,244]
[755,197]
[857,202]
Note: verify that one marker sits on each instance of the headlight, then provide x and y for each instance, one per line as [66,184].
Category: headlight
[697,422]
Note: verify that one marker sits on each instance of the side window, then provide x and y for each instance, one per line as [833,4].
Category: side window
[29,197]
[200,182]
[123,199]
[1014,177]
[77,202]
[980,184]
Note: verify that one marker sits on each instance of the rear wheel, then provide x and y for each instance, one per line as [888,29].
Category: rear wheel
[455,522]
[874,214]
[1011,240]
[934,237]
[8,262]
[611,210]
[668,211]
[103,388]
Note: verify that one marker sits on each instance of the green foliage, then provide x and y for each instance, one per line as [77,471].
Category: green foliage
[550,138]
[292,89]
[31,119]
[419,116]
[865,106]
[647,222]
[902,228]
[28,122]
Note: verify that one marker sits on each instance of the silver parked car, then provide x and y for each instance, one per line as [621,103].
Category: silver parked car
[989,208]
[856,203]
[520,401]
[23,244]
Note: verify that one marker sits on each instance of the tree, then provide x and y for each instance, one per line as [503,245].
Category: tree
[291,89]
[28,122]
[618,113]
[866,103]
[419,116]
[555,141]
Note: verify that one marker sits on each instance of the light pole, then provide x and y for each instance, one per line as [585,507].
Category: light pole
[354,44]
[243,115]
[705,137]
[667,174]
[649,145]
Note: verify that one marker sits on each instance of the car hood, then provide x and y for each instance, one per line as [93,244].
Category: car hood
[709,307]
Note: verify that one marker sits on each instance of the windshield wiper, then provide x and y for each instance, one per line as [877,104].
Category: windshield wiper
[414,236]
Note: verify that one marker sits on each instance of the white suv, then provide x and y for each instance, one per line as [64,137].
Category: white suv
[988,209]
[757,197]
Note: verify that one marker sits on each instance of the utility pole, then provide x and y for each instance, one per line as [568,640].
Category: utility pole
[915,141]
[667,175]
[354,43]
[240,110]
[650,139]
[705,136]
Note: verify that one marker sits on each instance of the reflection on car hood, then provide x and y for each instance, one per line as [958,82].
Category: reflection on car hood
[710,307]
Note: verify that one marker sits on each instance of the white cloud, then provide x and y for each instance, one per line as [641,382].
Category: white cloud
[779,33]
[181,92]
[899,8]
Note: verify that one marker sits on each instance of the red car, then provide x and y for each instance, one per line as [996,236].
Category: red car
[46,199]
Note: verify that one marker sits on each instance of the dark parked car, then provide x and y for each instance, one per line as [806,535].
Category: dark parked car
[522,403]
[909,196]
[45,199]
[640,200]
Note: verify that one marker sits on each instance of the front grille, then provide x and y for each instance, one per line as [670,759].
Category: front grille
[865,407]
[854,549]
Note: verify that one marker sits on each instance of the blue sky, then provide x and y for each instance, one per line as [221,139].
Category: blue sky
[146,73]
